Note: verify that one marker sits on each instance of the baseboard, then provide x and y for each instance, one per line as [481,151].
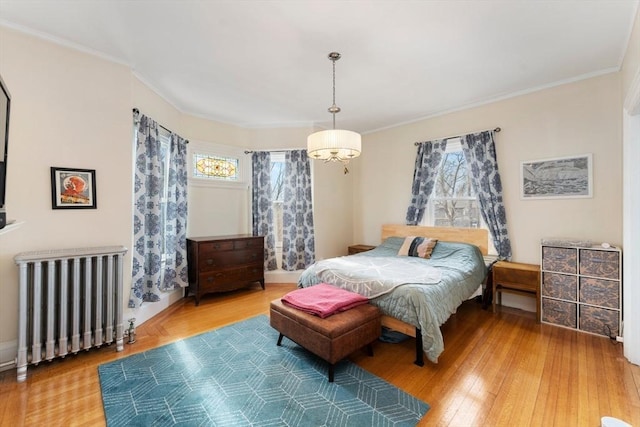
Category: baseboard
[282,276]
[8,351]
[147,310]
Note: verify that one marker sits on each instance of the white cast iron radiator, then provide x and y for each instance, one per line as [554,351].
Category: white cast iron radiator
[70,300]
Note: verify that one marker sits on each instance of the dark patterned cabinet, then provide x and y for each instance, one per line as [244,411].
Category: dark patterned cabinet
[224,263]
[581,287]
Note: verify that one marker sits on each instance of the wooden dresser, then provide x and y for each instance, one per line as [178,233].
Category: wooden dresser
[224,263]
[582,287]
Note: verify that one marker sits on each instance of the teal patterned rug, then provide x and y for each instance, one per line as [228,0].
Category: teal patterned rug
[238,376]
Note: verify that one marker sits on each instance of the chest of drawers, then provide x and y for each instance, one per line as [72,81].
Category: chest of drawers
[581,288]
[224,263]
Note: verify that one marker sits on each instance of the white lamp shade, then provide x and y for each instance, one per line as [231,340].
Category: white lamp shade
[334,144]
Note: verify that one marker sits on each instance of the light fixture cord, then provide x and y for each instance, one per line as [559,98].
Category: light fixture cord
[333,113]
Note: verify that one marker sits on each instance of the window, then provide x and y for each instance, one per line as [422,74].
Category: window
[453,202]
[165,156]
[215,167]
[277,195]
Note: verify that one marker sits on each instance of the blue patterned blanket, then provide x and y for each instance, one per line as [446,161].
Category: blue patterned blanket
[374,276]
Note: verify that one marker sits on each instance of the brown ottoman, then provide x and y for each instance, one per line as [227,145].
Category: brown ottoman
[332,338]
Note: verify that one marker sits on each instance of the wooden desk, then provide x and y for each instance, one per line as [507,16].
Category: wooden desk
[516,278]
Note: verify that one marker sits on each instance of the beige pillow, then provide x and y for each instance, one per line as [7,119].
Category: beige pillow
[417,246]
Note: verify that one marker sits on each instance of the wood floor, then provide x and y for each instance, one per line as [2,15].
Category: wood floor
[497,370]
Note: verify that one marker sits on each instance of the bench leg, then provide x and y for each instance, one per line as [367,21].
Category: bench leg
[280,340]
[370,349]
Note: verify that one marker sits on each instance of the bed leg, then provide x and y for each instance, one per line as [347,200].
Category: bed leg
[419,352]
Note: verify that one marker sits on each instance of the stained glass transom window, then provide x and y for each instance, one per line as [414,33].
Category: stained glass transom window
[215,167]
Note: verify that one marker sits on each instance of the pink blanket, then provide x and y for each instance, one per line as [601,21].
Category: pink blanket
[323,299]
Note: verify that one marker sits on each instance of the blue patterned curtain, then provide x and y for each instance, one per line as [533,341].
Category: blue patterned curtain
[298,244]
[424,177]
[160,214]
[480,153]
[262,206]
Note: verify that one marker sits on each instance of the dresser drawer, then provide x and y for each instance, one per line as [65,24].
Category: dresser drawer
[223,280]
[524,278]
[217,260]
[216,246]
[562,260]
[561,286]
[599,292]
[599,320]
[249,243]
[603,264]
[560,312]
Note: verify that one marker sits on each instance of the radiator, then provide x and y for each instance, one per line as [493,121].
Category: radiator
[70,300]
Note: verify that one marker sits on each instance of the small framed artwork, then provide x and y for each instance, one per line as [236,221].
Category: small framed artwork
[73,188]
[560,177]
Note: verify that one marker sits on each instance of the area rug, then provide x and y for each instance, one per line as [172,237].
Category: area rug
[238,376]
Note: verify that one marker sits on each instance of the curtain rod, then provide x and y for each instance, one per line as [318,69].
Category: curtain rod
[278,150]
[135,110]
[496,130]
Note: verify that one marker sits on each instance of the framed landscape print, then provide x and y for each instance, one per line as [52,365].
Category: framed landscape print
[561,177]
[73,188]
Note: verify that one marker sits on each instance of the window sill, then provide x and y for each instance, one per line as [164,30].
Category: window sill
[194,182]
[10,227]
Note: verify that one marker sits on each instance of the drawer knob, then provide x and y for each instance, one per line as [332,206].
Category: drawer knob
[209,261]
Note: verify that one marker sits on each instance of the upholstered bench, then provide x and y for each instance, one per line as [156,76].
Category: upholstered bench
[332,338]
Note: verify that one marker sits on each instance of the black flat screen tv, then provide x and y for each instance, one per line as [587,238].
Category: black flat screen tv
[5,108]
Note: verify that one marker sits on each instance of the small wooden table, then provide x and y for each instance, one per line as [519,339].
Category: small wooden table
[356,249]
[516,278]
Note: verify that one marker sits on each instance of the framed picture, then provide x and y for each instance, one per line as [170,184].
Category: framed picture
[561,177]
[73,188]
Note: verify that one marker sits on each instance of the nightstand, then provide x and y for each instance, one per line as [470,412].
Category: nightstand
[516,278]
[356,249]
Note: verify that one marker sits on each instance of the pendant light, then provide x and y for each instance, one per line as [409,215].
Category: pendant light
[334,145]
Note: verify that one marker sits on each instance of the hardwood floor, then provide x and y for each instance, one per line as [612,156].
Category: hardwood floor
[497,370]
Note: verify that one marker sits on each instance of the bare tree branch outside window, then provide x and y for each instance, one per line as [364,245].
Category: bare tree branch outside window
[454,203]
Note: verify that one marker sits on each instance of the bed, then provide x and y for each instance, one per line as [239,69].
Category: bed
[415,295]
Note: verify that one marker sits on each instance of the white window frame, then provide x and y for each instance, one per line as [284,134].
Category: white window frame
[453,145]
[165,142]
[277,157]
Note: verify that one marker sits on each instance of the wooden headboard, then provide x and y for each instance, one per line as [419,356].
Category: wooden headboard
[475,236]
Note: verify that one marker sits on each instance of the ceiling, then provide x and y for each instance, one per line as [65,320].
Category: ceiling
[264,63]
